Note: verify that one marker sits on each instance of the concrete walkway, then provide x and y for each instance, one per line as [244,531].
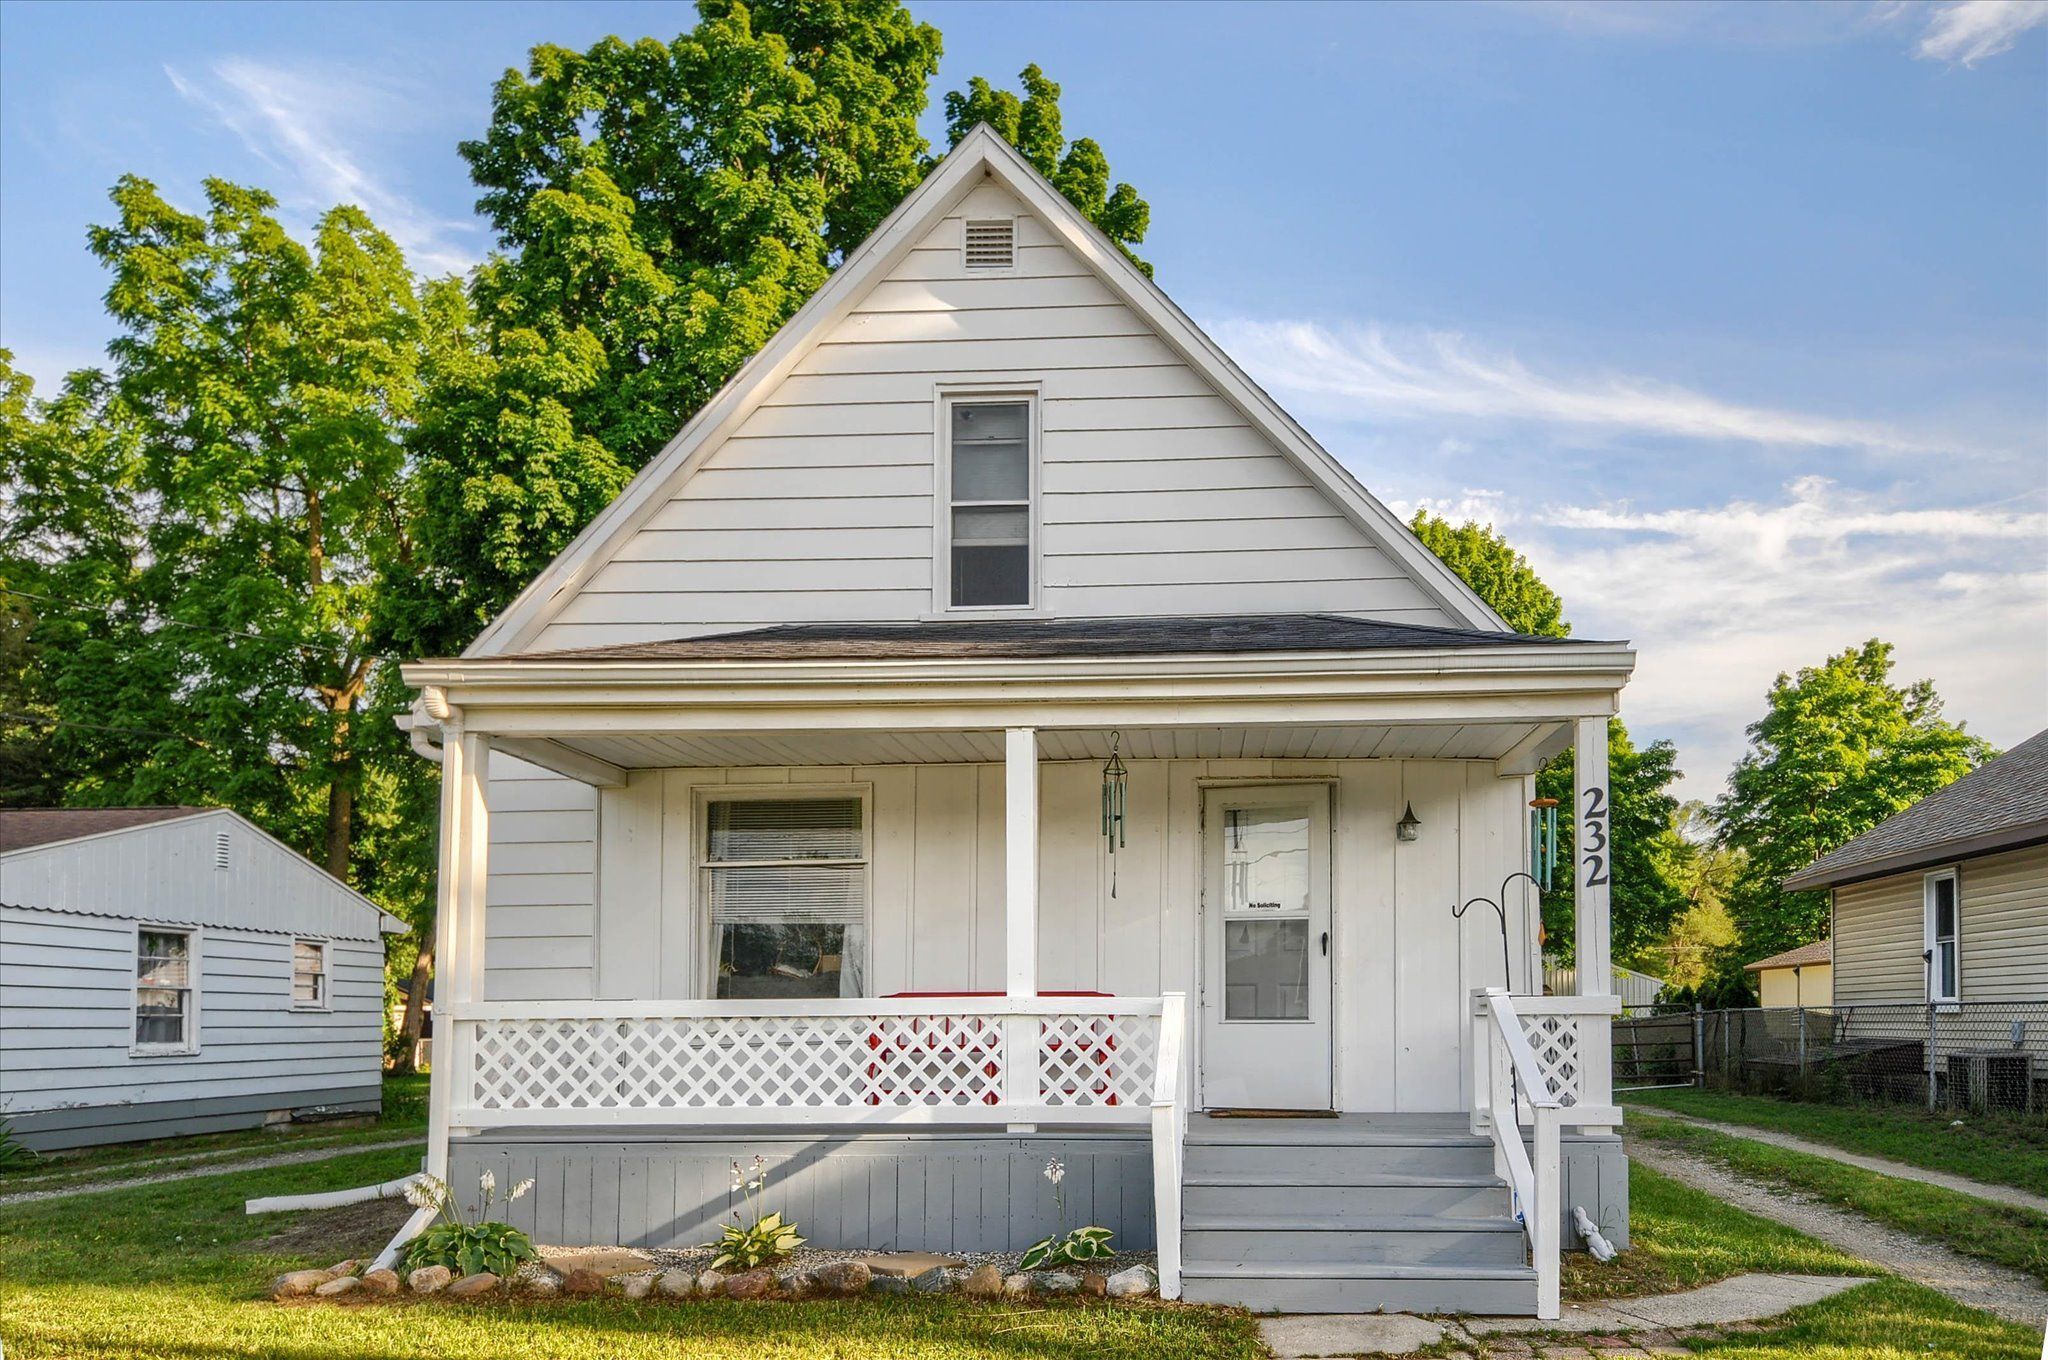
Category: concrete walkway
[1740,1299]
[209,1169]
[1974,1284]
[1962,1185]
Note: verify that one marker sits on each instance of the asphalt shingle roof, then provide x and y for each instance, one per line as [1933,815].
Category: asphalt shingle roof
[1805,956]
[23,827]
[2001,803]
[1052,638]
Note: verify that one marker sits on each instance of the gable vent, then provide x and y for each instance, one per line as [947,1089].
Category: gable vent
[991,245]
[220,849]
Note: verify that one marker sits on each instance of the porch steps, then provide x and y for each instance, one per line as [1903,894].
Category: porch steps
[1358,1214]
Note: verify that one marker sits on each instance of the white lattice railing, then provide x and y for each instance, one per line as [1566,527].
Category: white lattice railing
[952,1060]
[1539,1062]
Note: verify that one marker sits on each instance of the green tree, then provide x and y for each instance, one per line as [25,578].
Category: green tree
[1839,749]
[1638,780]
[1078,169]
[1703,870]
[661,209]
[201,533]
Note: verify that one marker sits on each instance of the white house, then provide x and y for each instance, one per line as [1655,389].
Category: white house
[174,970]
[993,729]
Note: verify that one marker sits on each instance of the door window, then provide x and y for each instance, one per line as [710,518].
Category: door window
[1266,945]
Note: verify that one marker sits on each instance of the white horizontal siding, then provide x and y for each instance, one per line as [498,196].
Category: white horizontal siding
[1157,496]
[541,893]
[67,1018]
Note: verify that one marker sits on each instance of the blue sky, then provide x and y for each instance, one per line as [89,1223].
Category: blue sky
[1735,318]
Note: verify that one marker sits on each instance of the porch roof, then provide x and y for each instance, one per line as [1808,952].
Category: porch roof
[1064,637]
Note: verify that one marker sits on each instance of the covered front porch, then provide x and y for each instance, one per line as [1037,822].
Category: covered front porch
[1018,972]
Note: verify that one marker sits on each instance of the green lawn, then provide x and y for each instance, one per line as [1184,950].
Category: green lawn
[1682,1238]
[1973,1227]
[175,1271]
[405,1112]
[1993,1148]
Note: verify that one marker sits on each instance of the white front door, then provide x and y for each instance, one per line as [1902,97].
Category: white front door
[1266,948]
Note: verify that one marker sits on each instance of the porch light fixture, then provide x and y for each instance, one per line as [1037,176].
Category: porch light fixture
[1409,827]
[1114,778]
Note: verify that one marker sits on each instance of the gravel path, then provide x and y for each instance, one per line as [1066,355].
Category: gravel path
[1976,1284]
[1962,1185]
[208,1169]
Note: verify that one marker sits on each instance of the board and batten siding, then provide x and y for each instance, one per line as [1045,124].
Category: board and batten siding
[1157,497]
[1879,932]
[67,1018]
[628,928]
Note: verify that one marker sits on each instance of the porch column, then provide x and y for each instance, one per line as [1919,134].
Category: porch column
[1020,915]
[463,863]
[1020,857]
[1593,847]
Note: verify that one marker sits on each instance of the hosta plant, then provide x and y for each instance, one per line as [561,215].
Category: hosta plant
[1065,1248]
[1076,1248]
[13,1156]
[465,1244]
[746,1246]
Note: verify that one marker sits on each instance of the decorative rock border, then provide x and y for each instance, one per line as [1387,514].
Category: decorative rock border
[831,1279]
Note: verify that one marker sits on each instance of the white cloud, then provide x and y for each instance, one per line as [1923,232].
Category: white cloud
[311,125]
[1719,599]
[1376,372]
[1968,31]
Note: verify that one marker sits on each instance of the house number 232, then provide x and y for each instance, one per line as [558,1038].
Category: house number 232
[1595,823]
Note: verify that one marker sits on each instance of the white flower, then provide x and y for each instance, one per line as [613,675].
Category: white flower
[519,1190]
[487,1182]
[1055,1170]
[426,1192]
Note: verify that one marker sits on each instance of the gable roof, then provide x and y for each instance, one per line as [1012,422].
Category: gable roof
[23,827]
[1169,635]
[2000,805]
[35,832]
[980,155]
[1805,956]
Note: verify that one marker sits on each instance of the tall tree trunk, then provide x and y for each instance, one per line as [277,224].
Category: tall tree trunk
[341,799]
[415,1023]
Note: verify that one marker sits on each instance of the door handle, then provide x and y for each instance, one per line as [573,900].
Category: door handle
[1326,944]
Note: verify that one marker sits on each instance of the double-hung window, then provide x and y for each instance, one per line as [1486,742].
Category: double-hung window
[309,974]
[1944,964]
[785,884]
[989,519]
[164,1019]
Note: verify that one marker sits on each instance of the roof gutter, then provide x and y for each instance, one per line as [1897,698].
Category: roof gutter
[1821,875]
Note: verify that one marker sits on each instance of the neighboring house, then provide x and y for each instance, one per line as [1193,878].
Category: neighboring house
[1638,991]
[992,730]
[174,970]
[1797,977]
[1947,901]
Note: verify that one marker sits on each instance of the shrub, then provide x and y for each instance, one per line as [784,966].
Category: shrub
[467,1245]
[746,1246]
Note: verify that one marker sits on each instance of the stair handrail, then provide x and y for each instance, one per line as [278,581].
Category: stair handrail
[1506,1080]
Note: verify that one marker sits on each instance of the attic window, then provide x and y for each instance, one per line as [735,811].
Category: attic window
[991,245]
[220,849]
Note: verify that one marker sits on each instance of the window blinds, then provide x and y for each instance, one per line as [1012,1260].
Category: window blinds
[787,861]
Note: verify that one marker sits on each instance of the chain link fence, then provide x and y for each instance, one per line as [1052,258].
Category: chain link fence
[1986,1056]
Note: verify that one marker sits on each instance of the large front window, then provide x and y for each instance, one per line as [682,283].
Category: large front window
[785,883]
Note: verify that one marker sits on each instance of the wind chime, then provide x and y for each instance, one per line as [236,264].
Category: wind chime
[1114,778]
[1542,840]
